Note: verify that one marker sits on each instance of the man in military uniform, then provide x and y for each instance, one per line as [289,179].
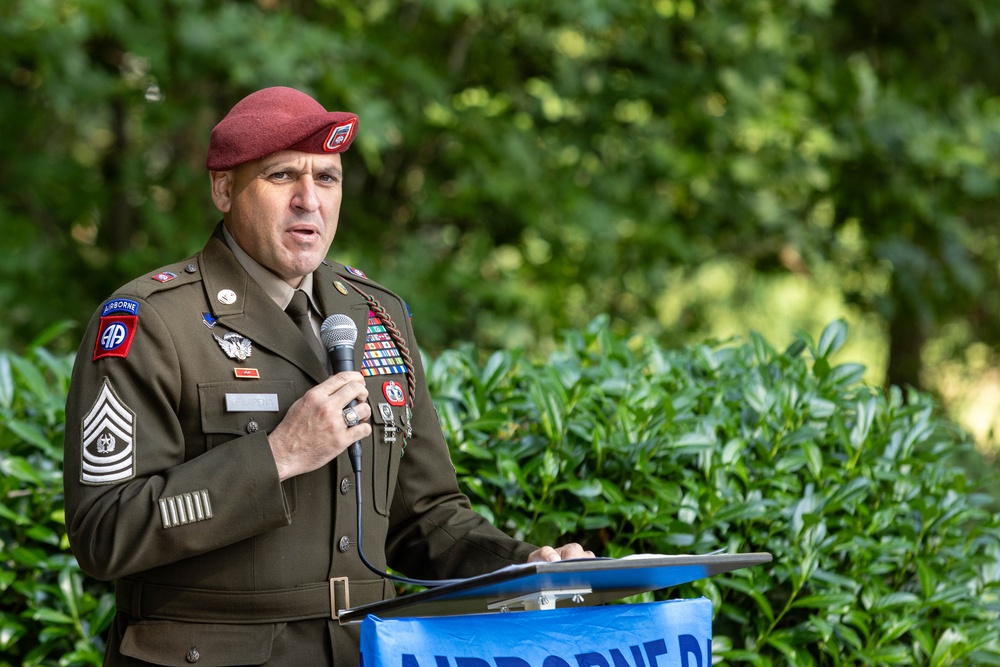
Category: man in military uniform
[205,432]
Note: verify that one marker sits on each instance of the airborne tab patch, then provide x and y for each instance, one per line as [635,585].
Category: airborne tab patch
[127,306]
[108,443]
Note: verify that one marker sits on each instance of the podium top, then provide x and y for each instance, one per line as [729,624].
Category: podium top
[584,581]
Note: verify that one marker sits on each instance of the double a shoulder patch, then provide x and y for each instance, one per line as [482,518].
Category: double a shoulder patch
[107,446]
[119,319]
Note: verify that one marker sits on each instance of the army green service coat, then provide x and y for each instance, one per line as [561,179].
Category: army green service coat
[171,488]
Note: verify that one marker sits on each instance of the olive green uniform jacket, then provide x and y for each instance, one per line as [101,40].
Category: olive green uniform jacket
[171,488]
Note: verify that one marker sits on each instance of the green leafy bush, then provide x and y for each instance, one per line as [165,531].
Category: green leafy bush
[50,612]
[883,554]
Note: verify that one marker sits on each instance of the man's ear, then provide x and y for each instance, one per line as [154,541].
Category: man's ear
[222,189]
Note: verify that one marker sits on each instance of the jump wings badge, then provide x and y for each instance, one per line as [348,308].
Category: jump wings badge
[234,345]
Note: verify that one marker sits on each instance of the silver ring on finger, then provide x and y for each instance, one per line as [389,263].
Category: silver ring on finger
[351,417]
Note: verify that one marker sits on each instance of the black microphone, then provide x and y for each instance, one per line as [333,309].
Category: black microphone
[339,333]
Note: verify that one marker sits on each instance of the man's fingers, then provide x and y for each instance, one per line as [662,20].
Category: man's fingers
[569,551]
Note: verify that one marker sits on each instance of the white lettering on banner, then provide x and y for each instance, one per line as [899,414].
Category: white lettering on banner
[674,633]
[688,647]
[121,305]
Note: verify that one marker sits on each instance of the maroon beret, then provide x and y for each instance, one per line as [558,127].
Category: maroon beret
[276,119]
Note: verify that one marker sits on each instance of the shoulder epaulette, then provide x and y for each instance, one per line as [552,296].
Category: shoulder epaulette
[165,278]
[354,275]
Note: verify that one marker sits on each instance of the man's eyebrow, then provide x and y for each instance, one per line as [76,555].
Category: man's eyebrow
[276,164]
[281,165]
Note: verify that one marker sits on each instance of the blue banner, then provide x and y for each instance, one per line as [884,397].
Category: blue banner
[677,633]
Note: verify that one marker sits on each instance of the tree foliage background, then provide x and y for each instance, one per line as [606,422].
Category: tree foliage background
[684,169]
[688,168]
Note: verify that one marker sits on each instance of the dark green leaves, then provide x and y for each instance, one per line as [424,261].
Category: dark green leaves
[50,613]
[882,555]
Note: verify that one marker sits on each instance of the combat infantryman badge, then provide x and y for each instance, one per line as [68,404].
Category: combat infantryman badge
[234,345]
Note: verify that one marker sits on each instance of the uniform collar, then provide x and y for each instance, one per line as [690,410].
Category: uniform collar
[276,288]
[242,305]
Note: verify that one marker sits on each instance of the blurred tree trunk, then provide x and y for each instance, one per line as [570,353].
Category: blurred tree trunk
[906,342]
[117,224]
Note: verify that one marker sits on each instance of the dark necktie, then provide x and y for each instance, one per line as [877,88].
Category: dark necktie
[298,310]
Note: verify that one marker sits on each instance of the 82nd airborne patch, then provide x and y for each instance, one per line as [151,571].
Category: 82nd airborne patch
[119,319]
[107,446]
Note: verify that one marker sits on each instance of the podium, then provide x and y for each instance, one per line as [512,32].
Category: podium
[579,582]
[558,619]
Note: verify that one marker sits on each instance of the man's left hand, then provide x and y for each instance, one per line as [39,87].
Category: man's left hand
[565,552]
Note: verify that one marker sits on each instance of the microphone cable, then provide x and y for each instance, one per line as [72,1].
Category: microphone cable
[428,583]
[339,334]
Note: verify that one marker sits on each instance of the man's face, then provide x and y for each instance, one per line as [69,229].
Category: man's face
[283,209]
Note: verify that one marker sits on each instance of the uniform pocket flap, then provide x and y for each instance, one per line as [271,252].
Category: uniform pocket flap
[228,407]
[202,644]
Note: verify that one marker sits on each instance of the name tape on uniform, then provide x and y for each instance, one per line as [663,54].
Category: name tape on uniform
[251,402]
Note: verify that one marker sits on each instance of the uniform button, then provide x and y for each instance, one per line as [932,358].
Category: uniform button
[193,655]
[345,543]
[190,268]
[252,427]
[345,485]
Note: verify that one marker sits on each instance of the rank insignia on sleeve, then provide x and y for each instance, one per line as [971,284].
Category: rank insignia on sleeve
[119,320]
[108,443]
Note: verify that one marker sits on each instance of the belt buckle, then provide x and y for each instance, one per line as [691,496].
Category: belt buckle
[334,614]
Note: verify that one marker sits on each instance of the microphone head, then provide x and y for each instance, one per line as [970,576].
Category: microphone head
[338,331]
